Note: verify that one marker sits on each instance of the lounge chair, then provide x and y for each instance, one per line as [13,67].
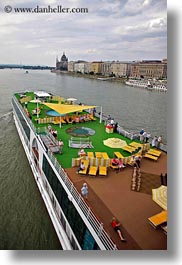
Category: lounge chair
[154,152]
[86,163]
[135,144]
[118,155]
[105,155]
[90,154]
[111,166]
[102,171]
[151,157]
[93,170]
[98,154]
[129,149]
[158,219]
[164,228]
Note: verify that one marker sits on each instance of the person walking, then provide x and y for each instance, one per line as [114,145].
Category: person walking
[84,190]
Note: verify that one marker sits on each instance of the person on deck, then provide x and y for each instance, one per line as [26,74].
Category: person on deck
[114,162]
[116,227]
[84,190]
[81,167]
[120,165]
[81,152]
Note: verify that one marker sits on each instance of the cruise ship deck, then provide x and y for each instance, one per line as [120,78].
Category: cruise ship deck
[112,196]
[109,195]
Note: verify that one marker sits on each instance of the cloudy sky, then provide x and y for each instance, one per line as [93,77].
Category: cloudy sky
[111,30]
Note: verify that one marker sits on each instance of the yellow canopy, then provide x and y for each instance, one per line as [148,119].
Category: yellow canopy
[64,109]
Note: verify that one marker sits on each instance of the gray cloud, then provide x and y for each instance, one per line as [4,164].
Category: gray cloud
[111,30]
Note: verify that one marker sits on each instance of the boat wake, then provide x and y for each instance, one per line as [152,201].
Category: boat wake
[7,116]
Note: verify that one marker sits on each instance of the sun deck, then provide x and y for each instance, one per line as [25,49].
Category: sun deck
[111,195]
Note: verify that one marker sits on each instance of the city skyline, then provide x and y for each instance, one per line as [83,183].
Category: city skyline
[123,30]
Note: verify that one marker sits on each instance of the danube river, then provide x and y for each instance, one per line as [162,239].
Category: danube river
[24,222]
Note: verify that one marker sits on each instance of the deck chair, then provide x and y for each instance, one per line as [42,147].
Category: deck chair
[98,154]
[111,166]
[154,152]
[118,155]
[86,163]
[129,149]
[90,154]
[135,144]
[158,219]
[151,157]
[105,155]
[93,170]
[164,228]
[102,171]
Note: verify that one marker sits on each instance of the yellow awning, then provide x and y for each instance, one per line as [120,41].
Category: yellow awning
[64,109]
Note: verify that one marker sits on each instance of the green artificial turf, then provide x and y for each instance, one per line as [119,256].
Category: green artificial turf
[65,159]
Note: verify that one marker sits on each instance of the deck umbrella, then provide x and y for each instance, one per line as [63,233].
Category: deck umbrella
[71,99]
[114,143]
[65,109]
[159,195]
[35,101]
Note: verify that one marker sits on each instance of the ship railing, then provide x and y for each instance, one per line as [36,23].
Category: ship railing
[96,225]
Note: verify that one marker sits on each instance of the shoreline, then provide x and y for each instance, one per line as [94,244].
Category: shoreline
[116,79]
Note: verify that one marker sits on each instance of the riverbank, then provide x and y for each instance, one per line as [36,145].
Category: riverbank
[97,77]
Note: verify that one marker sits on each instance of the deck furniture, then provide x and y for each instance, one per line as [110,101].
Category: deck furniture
[86,164]
[151,157]
[50,144]
[158,219]
[90,154]
[76,142]
[102,170]
[154,152]
[93,170]
[111,166]
[164,228]
[98,155]
[105,155]
[129,149]
[135,144]
[118,155]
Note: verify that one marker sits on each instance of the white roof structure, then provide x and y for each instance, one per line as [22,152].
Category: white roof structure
[41,94]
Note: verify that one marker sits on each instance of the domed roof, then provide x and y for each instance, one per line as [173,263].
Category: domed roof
[63,58]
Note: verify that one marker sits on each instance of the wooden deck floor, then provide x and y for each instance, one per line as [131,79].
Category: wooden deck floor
[112,196]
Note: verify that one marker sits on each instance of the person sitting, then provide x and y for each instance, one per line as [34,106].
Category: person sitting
[60,143]
[114,162]
[49,127]
[116,227]
[81,167]
[54,133]
[120,165]
[81,152]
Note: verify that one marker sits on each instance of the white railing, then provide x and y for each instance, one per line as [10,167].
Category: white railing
[86,210]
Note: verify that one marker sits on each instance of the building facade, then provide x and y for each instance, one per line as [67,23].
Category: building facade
[120,69]
[149,69]
[62,65]
[96,67]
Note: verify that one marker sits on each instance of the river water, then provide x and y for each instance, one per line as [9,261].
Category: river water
[24,222]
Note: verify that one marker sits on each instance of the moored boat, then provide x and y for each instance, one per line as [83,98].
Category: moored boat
[78,222]
[150,85]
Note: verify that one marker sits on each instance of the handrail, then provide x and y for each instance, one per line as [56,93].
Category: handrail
[96,225]
[89,215]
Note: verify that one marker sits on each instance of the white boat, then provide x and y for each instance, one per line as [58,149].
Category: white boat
[148,84]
